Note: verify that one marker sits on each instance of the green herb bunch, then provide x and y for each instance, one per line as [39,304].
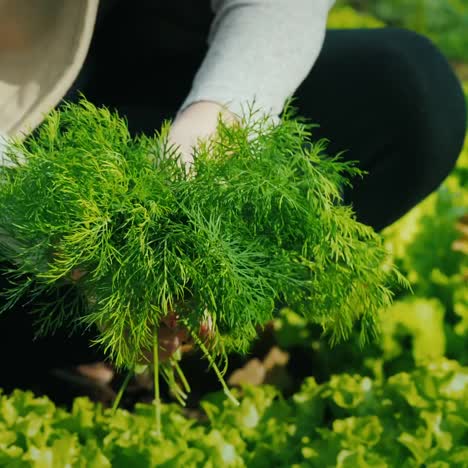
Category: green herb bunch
[258,222]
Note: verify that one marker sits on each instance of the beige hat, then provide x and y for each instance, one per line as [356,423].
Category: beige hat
[43,44]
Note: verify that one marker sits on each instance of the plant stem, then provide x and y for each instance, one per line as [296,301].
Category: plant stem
[212,362]
[122,389]
[157,396]
[167,372]
[181,376]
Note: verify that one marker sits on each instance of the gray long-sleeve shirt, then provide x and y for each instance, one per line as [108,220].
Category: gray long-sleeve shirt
[260,50]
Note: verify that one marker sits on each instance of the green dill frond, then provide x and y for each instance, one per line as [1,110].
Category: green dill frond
[260,223]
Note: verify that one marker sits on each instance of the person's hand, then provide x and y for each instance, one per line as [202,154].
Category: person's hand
[174,337]
[197,122]
[171,338]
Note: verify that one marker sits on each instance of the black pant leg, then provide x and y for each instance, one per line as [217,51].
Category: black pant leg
[25,358]
[390,99]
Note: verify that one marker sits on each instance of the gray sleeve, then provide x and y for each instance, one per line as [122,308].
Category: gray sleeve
[259,50]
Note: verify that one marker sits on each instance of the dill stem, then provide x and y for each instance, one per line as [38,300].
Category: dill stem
[181,376]
[157,395]
[122,389]
[212,362]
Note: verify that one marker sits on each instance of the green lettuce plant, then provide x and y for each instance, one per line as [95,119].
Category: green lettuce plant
[412,419]
[258,222]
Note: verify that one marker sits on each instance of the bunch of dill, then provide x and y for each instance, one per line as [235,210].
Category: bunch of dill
[260,223]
